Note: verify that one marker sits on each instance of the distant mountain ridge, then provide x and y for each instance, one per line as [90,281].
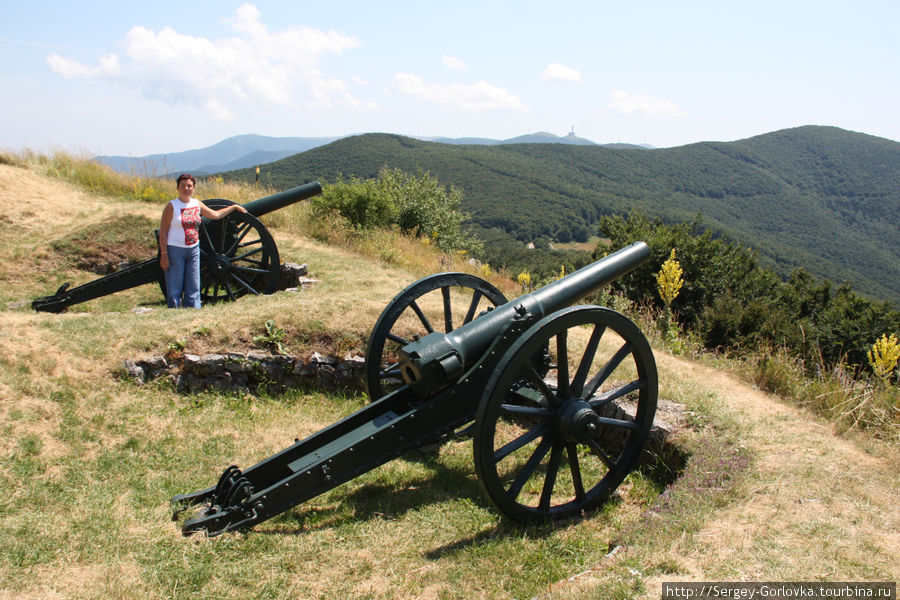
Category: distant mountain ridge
[250,150]
[821,198]
[238,152]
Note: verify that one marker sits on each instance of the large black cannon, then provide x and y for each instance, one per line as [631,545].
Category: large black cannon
[237,257]
[562,400]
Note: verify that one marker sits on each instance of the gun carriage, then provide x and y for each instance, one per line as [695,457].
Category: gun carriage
[238,256]
[559,400]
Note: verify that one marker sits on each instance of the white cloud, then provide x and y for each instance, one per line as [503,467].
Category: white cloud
[480,96]
[256,68]
[558,72]
[626,104]
[109,66]
[456,64]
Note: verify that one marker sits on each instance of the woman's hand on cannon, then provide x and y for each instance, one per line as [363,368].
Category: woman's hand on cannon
[222,212]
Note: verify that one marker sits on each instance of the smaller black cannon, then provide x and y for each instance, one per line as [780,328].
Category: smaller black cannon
[562,398]
[237,257]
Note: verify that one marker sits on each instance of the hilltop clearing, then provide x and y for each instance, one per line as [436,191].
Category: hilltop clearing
[89,458]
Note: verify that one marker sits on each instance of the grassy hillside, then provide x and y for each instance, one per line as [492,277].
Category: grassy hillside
[820,198]
[90,458]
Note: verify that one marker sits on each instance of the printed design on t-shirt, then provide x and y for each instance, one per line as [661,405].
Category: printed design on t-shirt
[190,221]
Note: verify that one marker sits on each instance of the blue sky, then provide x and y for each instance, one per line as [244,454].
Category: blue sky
[141,78]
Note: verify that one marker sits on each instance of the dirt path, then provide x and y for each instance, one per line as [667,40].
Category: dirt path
[820,506]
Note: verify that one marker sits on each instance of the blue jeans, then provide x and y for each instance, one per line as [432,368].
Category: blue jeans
[183,277]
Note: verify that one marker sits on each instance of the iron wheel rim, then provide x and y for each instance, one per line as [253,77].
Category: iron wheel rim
[381,377]
[545,451]
[238,256]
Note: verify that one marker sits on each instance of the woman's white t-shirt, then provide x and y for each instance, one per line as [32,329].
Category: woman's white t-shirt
[184,230]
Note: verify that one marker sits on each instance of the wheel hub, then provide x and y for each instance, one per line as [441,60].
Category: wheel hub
[219,266]
[578,422]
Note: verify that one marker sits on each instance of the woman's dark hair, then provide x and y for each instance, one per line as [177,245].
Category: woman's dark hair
[185,176]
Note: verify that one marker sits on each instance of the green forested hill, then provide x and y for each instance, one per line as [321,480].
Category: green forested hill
[821,198]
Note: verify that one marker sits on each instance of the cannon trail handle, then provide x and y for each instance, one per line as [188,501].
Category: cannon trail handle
[133,276]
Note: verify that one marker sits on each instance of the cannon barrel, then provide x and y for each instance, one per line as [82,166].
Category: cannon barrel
[437,360]
[149,271]
[268,204]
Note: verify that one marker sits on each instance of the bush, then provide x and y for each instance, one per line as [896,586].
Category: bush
[711,267]
[416,204]
[361,202]
[836,392]
[736,305]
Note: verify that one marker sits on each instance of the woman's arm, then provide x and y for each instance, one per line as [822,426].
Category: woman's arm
[164,224]
[215,215]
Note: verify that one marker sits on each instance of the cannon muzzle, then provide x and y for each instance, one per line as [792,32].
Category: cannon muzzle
[437,360]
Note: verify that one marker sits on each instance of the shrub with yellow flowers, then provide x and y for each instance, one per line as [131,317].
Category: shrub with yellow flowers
[668,282]
[883,356]
[524,280]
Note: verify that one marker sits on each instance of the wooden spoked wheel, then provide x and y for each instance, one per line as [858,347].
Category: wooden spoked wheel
[238,256]
[551,445]
[441,302]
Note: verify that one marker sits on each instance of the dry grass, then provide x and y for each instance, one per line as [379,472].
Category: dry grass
[837,393]
[89,460]
[817,504]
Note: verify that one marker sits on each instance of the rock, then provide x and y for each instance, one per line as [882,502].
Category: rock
[290,274]
[153,366]
[257,355]
[134,371]
[350,373]
[191,363]
[237,363]
[316,358]
[670,418]
[210,364]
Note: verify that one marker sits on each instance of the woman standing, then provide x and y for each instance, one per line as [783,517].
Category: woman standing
[179,243]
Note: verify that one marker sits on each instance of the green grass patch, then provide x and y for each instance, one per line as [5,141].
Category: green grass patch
[103,247]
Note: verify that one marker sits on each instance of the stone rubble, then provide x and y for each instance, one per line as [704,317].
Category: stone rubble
[252,373]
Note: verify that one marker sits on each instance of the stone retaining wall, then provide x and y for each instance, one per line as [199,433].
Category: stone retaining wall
[252,373]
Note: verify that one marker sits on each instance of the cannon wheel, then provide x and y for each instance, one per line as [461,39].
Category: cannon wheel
[381,378]
[238,256]
[550,447]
